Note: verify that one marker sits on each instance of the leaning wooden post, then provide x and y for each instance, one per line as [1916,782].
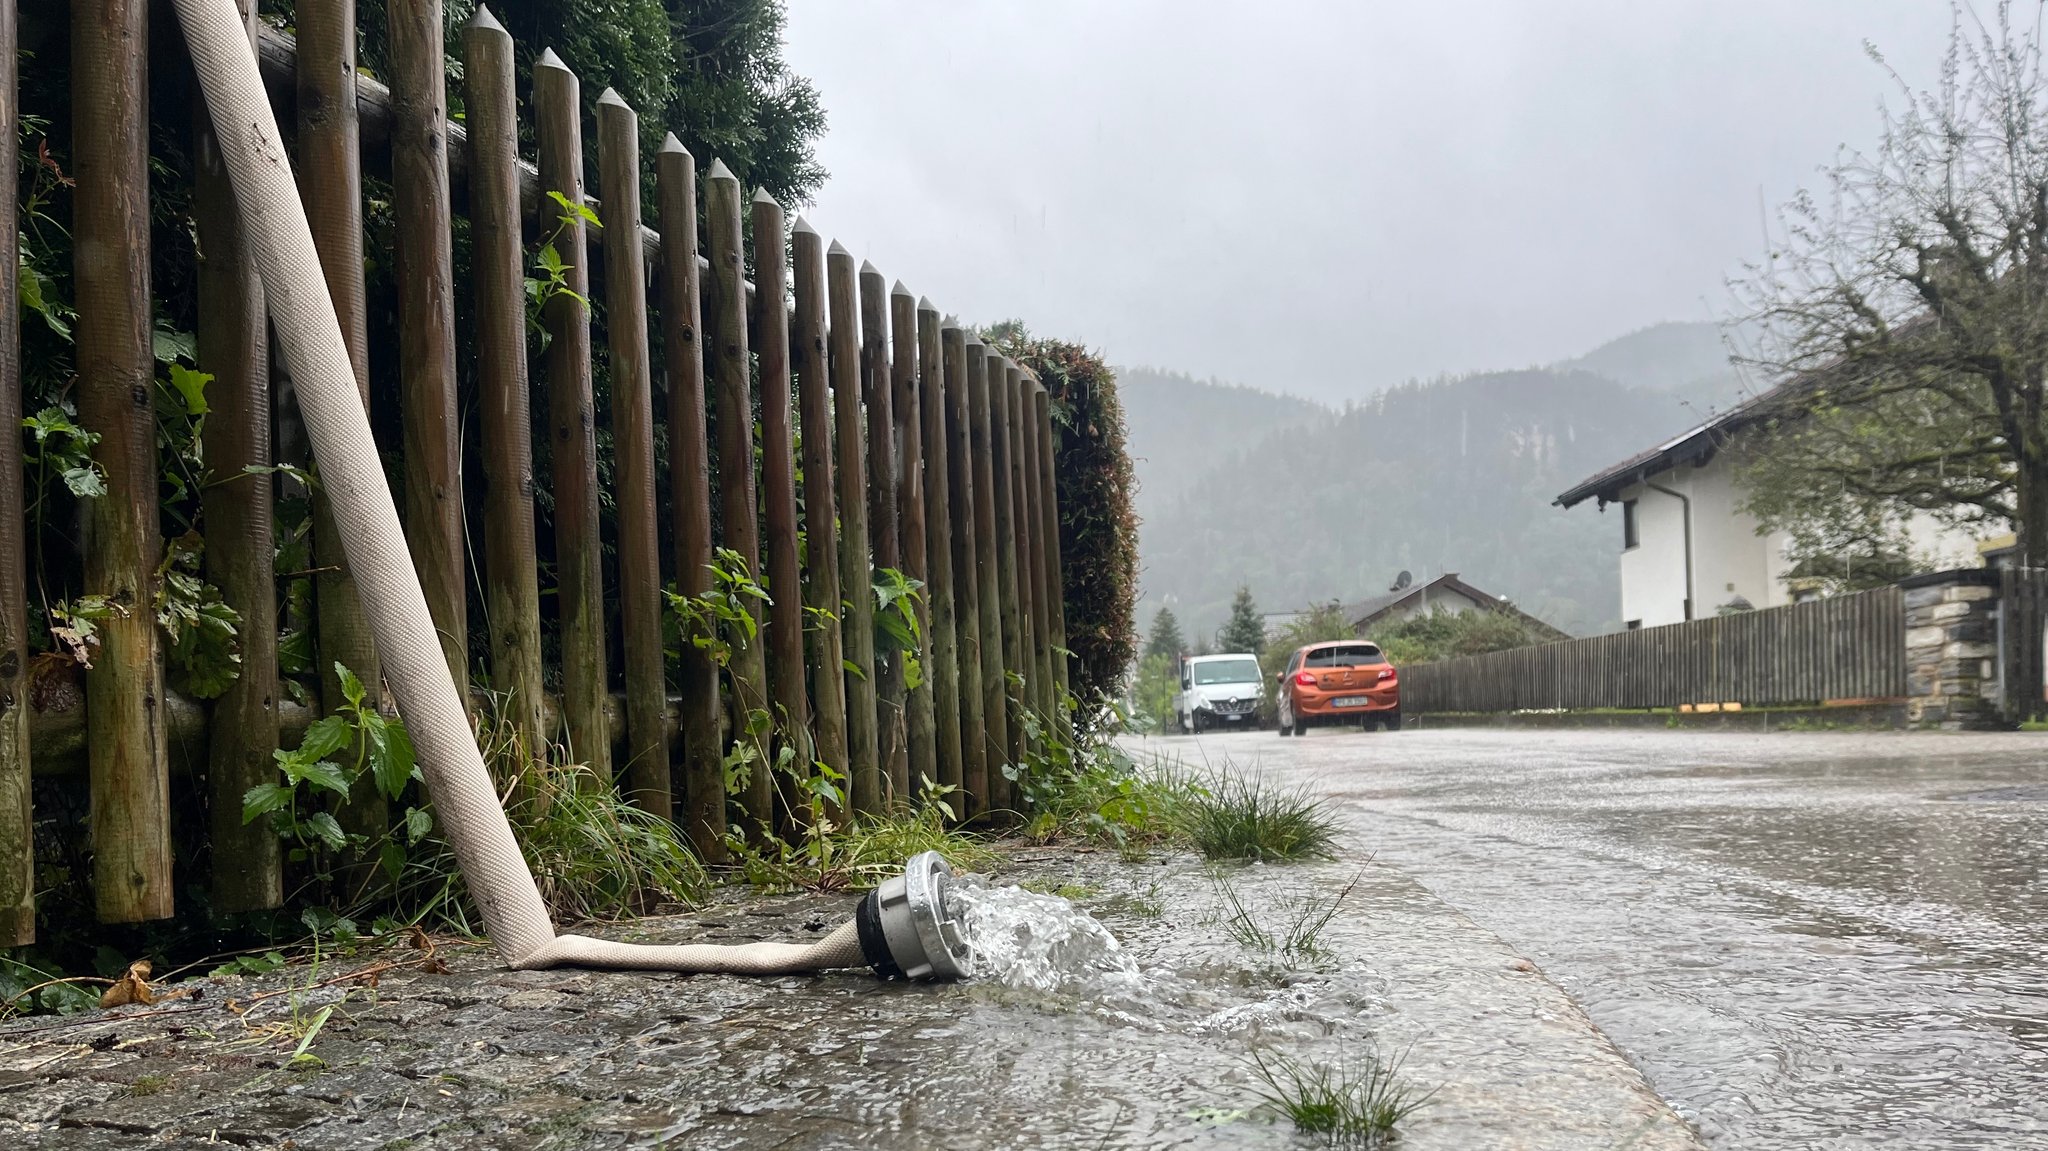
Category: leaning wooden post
[689,460]
[864,764]
[1033,571]
[725,308]
[983,365]
[908,434]
[572,424]
[425,266]
[640,603]
[942,670]
[827,654]
[881,497]
[131,817]
[960,496]
[1003,461]
[234,348]
[330,181]
[17,822]
[784,560]
[1055,578]
[511,566]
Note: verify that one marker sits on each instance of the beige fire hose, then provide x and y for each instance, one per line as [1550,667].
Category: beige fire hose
[353,479]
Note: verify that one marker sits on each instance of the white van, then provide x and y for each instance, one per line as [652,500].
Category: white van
[1219,691]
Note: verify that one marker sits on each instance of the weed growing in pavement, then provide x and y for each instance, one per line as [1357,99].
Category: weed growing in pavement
[1235,814]
[864,852]
[1294,929]
[1356,1102]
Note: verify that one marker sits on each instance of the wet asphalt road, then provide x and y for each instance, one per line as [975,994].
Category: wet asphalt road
[1804,940]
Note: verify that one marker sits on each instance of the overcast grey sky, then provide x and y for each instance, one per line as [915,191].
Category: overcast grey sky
[1325,198]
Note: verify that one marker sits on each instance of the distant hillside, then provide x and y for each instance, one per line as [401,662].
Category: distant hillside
[1687,360]
[1456,475]
[1180,427]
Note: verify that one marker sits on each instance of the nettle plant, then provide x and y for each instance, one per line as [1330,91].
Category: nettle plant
[381,748]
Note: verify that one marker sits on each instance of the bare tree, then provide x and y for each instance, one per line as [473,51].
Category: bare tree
[1907,306]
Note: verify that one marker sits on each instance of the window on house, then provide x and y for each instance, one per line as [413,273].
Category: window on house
[1629,532]
[1634,625]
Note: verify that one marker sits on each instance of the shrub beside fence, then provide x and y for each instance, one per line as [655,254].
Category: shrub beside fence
[1847,647]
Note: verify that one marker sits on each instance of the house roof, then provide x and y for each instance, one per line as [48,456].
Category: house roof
[1366,612]
[1695,445]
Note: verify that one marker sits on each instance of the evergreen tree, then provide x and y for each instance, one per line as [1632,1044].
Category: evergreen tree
[1165,639]
[1246,631]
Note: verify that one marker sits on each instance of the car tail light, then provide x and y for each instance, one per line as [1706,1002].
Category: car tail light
[1386,673]
[1304,679]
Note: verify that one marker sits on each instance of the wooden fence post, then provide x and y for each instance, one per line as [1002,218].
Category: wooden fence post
[983,365]
[726,308]
[511,566]
[689,458]
[961,496]
[234,347]
[881,499]
[425,266]
[17,821]
[640,603]
[572,424]
[907,435]
[786,695]
[942,670]
[116,398]
[1055,574]
[864,767]
[1002,407]
[331,182]
[1032,574]
[821,531]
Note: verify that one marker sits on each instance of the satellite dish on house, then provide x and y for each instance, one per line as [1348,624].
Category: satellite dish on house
[1403,580]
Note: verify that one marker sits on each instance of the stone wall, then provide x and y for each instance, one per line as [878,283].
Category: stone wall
[1952,650]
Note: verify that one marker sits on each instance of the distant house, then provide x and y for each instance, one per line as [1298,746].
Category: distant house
[1687,551]
[1445,592]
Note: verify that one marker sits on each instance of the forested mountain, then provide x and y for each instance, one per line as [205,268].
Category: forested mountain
[1455,474]
[1687,360]
[1180,427]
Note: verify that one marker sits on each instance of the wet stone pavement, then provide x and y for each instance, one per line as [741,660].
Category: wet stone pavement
[481,1057]
[1805,940]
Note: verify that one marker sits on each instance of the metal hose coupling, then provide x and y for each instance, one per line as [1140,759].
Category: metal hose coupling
[908,927]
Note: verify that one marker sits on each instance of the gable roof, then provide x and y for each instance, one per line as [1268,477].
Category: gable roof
[1695,445]
[1366,612]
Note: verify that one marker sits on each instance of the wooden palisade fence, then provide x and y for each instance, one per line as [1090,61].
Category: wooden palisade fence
[1847,647]
[923,452]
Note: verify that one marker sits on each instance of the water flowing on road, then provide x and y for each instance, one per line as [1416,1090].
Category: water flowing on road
[1805,940]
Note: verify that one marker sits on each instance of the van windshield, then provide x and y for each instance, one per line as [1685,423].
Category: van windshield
[1227,671]
[1346,655]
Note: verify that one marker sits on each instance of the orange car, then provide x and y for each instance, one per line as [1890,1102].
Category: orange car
[1343,681]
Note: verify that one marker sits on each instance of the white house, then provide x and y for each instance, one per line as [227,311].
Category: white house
[1686,549]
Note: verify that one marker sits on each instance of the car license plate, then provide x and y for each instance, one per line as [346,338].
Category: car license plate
[1233,717]
[1349,701]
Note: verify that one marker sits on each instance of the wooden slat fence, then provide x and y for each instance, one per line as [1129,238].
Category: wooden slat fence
[2023,614]
[1847,647]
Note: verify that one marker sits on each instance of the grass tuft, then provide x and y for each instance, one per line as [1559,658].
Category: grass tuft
[864,853]
[1236,814]
[1356,1102]
[1297,934]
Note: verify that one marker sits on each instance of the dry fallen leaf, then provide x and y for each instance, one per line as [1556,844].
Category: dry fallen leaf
[130,988]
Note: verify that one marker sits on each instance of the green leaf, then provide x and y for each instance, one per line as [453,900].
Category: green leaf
[327,830]
[324,737]
[574,210]
[351,686]
[324,774]
[391,756]
[191,387]
[391,858]
[417,824]
[263,799]
[85,480]
[171,346]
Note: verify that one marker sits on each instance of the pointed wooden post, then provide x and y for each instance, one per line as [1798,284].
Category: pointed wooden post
[855,579]
[786,695]
[960,496]
[17,822]
[640,603]
[1002,462]
[425,265]
[941,670]
[330,182]
[908,443]
[234,348]
[881,498]
[116,387]
[725,306]
[1056,596]
[572,423]
[511,566]
[826,654]
[983,365]
[689,456]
